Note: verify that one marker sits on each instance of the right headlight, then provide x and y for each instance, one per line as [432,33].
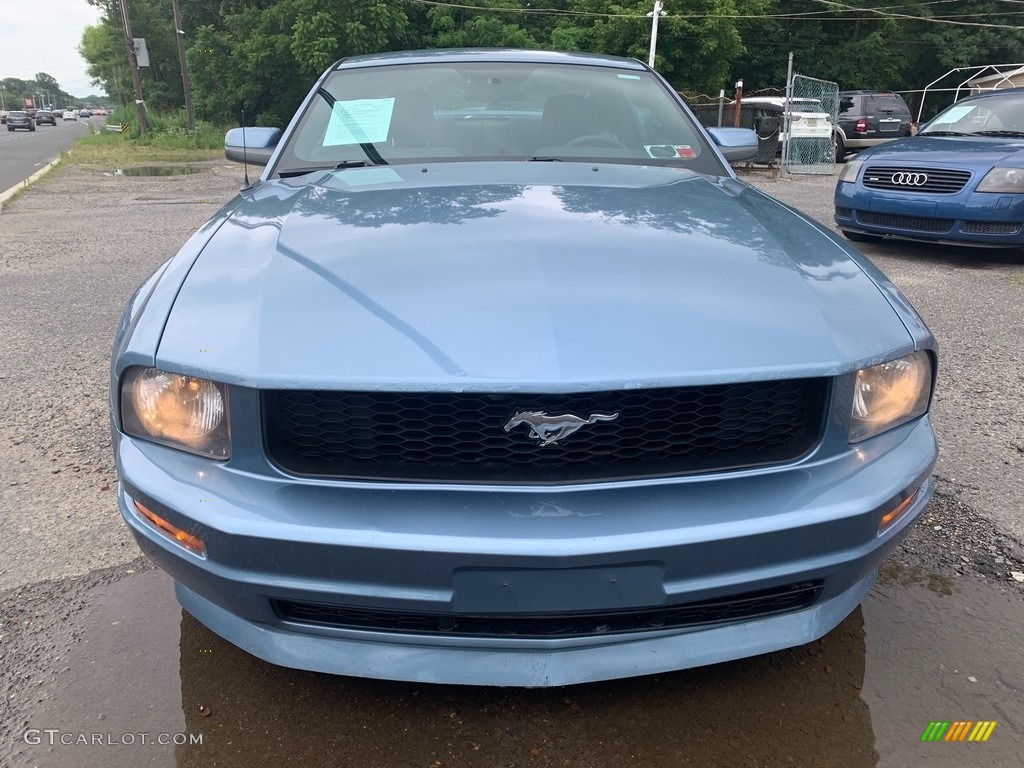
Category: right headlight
[183,412]
[850,170]
[1003,180]
[890,394]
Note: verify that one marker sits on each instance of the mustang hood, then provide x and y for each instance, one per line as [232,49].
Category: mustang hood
[566,276]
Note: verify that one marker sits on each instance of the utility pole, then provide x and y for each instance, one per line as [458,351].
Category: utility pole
[787,122]
[133,62]
[180,34]
[737,111]
[655,15]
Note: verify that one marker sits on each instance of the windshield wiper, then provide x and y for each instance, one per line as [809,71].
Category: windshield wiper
[314,169]
[999,133]
[545,160]
[368,149]
[946,133]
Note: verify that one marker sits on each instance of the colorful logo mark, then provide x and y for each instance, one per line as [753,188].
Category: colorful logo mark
[958,730]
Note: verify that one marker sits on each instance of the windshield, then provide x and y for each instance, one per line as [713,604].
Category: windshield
[494,111]
[995,115]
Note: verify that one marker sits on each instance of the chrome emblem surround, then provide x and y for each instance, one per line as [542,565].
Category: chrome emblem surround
[910,179]
[549,430]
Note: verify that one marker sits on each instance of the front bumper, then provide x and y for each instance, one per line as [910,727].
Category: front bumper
[511,552]
[966,218]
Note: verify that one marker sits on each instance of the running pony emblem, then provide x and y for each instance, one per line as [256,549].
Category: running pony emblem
[548,430]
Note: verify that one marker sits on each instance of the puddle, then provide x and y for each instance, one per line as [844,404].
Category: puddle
[920,649]
[155,170]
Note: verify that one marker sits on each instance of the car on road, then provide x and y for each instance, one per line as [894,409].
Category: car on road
[499,375]
[84,113]
[869,118]
[44,117]
[959,180]
[3,117]
[17,120]
[69,115]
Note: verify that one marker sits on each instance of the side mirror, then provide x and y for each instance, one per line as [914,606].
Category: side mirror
[736,144]
[260,144]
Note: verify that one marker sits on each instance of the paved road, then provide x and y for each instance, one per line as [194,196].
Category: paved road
[22,153]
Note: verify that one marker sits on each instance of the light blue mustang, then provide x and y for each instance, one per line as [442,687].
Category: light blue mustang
[474,287]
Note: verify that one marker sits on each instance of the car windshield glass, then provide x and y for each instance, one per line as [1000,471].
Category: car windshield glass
[1001,115]
[494,111]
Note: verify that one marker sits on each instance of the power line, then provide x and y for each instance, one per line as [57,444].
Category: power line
[835,7]
[931,19]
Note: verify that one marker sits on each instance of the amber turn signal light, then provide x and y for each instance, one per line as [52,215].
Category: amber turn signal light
[185,539]
[896,512]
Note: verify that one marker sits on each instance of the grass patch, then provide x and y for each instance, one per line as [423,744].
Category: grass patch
[115,150]
[1017,278]
[167,141]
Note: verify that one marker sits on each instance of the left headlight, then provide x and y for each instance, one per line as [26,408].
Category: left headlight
[890,394]
[1005,180]
[183,412]
[850,170]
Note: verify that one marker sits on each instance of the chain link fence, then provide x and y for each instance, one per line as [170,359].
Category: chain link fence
[809,148]
[764,119]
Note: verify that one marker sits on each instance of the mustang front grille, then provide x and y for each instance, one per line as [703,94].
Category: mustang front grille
[752,605]
[475,437]
[916,223]
[934,180]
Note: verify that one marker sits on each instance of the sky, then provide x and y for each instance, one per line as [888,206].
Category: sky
[43,36]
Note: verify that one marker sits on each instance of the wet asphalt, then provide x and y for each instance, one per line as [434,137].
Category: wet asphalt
[94,649]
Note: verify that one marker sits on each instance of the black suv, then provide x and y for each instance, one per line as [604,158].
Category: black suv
[868,118]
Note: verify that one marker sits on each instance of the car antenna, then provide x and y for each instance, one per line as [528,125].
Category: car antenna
[245,163]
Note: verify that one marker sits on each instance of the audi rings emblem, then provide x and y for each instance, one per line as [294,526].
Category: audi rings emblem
[908,179]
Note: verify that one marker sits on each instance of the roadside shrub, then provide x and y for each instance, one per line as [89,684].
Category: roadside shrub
[169,130]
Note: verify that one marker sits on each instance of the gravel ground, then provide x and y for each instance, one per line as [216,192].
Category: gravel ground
[75,246]
[972,301]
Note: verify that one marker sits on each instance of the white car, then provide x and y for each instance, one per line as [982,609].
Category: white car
[809,120]
[69,115]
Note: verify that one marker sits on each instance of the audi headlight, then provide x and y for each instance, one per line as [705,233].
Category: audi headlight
[183,412]
[1003,180]
[850,170]
[890,394]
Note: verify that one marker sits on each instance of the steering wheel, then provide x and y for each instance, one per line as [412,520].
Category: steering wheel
[595,140]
